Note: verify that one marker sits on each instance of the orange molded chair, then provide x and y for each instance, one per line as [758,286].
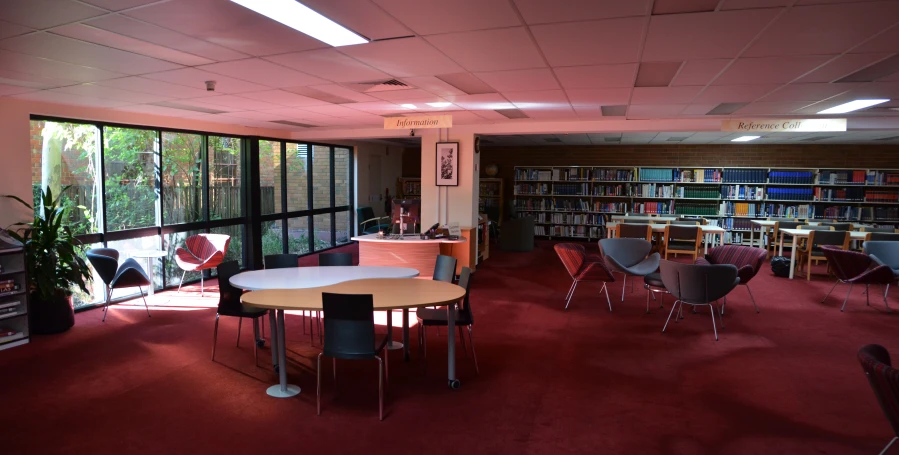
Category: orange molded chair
[201,252]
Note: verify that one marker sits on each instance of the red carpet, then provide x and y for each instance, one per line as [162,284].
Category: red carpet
[785,381]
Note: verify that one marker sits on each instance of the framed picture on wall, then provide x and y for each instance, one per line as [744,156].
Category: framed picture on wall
[447,164]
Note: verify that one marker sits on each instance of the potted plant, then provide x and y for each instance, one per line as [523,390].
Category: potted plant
[53,265]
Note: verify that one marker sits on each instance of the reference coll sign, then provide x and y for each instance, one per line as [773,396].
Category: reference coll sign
[420,121]
[784,125]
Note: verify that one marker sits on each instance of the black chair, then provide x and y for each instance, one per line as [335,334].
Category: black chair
[889,229]
[350,334]
[335,259]
[698,285]
[430,317]
[369,223]
[630,257]
[229,305]
[634,231]
[883,236]
[127,275]
[884,380]
[839,226]
[445,268]
[281,261]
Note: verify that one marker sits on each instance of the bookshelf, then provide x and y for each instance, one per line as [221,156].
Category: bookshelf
[490,198]
[576,201]
[408,187]
[13,298]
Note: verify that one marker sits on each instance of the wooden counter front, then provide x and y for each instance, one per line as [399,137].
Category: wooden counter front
[415,253]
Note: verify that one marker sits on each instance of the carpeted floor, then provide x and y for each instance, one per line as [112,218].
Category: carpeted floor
[785,381]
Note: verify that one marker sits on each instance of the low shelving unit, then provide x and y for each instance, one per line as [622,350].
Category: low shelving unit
[13,297]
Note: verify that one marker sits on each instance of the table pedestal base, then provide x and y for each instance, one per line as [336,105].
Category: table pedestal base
[275,391]
[394,346]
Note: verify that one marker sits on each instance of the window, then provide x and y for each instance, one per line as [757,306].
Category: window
[270,177]
[297,177]
[182,177]
[225,195]
[321,177]
[130,161]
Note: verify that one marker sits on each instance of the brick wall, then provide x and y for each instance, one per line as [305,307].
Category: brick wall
[800,156]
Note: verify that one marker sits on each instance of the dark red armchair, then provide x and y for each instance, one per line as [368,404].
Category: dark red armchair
[748,261]
[884,380]
[583,267]
[856,268]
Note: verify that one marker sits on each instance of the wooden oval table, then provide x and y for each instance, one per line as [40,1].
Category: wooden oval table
[388,294]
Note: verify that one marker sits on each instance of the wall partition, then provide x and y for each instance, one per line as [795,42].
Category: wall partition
[136,188]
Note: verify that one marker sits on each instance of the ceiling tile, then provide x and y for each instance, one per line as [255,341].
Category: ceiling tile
[664,95]
[161,110]
[520,80]
[42,14]
[77,52]
[571,45]
[698,36]
[227,24]
[807,92]
[599,97]
[403,57]
[490,50]
[489,101]
[8,29]
[118,5]
[547,11]
[32,80]
[27,64]
[239,102]
[825,29]
[887,41]
[155,87]
[398,95]
[342,92]
[116,41]
[150,33]
[46,96]
[376,107]
[660,7]
[717,94]
[750,4]
[841,66]
[329,64]
[770,108]
[262,72]
[283,98]
[698,109]
[196,78]
[97,91]
[557,113]
[429,17]
[654,111]
[766,70]
[433,85]
[539,100]
[699,72]
[599,76]
[14,89]
[493,115]
[363,17]
[332,110]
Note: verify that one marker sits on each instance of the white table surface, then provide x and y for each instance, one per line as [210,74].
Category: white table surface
[149,255]
[803,233]
[308,277]
[706,229]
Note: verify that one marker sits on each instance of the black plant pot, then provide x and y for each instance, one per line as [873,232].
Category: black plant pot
[55,316]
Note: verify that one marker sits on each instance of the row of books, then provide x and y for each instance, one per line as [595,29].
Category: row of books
[745,176]
[745,192]
[824,177]
[841,213]
[794,177]
[791,194]
[571,188]
[700,175]
[533,174]
[881,196]
[848,177]
[488,188]
[658,175]
[613,190]
[577,218]
[574,231]
[411,188]
[575,173]
[8,286]
[803,211]
[613,174]
[532,188]
[704,192]
[839,194]
[654,190]
[883,178]
[741,209]
[662,208]
[730,224]
[571,205]
[696,209]
[610,207]
[533,204]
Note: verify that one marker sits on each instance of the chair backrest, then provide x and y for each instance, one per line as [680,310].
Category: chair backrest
[465,282]
[204,246]
[365,213]
[884,380]
[282,261]
[634,231]
[839,226]
[889,229]
[883,236]
[820,238]
[445,268]
[335,259]
[781,219]
[739,256]
[349,325]
[573,255]
[698,283]
[846,264]
[675,233]
[885,250]
[105,261]
[685,222]
[627,252]
[229,296]
[789,224]
[819,227]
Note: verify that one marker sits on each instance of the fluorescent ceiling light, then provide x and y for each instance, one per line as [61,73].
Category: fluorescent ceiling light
[852,106]
[443,104]
[408,106]
[302,18]
[745,138]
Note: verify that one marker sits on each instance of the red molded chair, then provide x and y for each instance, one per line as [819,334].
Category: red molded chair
[582,267]
[201,252]
[856,268]
[747,259]
[884,380]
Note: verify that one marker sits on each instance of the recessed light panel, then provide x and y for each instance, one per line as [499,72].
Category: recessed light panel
[852,106]
[745,138]
[302,18]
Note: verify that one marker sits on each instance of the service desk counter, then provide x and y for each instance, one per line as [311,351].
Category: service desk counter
[411,251]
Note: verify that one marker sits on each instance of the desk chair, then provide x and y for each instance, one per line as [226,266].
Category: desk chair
[889,229]
[634,231]
[683,239]
[283,261]
[884,381]
[883,236]
[127,275]
[818,227]
[229,305]
[812,248]
[788,240]
[445,268]
[350,334]
[428,317]
[838,226]
[327,260]
[369,223]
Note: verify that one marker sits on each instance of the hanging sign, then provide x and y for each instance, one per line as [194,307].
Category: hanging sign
[784,125]
[419,121]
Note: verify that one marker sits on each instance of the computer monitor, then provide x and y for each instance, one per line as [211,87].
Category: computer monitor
[411,215]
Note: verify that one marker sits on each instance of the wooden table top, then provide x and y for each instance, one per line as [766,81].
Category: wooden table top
[706,228]
[388,293]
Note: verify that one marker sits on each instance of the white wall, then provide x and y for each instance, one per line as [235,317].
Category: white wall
[391,158]
[449,203]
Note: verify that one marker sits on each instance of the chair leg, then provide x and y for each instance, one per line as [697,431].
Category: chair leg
[381,375]
[311,332]
[145,300]
[605,287]
[239,323]
[713,322]
[256,341]
[215,335]
[318,318]
[753,299]
[304,323]
[108,298]
[887,448]
[318,385]
[647,300]
[202,288]
[474,356]
[571,294]
[847,298]
[623,285]
[831,290]
[885,302]
[867,295]
[182,280]
[570,291]
[462,340]
[673,307]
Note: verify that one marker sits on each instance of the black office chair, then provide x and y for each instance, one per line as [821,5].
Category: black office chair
[369,223]
[229,305]
[698,285]
[430,317]
[350,334]
[445,269]
[281,261]
[335,259]
[127,275]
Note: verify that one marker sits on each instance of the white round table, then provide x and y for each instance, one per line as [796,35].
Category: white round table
[304,278]
[150,255]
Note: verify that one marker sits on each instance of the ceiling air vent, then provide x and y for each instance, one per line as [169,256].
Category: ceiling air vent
[378,86]
[511,113]
[617,110]
[675,139]
[552,139]
[726,108]
[288,122]
[187,107]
